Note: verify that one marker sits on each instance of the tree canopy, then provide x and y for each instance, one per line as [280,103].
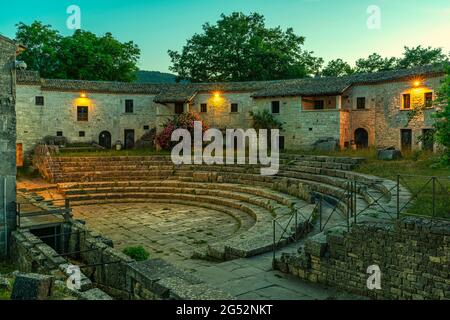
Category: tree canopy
[337,68]
[81,56]
[241,48]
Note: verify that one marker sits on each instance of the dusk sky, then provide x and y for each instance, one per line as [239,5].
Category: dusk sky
[333,29]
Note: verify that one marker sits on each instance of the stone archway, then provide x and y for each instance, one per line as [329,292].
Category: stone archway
[105,139]
[361,138]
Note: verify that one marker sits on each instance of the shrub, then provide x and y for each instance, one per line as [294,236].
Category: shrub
[137,253]
[183,121]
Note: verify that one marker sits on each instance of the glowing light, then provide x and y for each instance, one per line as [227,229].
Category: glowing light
[83,95]
[416,83]
[216,94]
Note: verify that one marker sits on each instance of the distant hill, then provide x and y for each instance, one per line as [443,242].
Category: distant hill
[154,77]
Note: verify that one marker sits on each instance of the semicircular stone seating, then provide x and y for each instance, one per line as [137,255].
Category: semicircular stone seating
[237,190]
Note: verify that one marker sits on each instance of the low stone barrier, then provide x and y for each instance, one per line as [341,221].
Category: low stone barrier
[412,254]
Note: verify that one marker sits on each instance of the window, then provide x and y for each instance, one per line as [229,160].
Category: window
[59,133]
[406,101]
[203,108]
[129,106]
[146,127]
[319,104]
[234,108]
[275,106]
[179,108]
[39,101]
[428,99]
[360,103]
[81,134]
[82,113]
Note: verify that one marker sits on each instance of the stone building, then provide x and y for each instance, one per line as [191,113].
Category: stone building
[8,50]
[355,111]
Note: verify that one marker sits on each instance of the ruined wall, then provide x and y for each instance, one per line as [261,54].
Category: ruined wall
[59,113]
[7,141]
[413,256]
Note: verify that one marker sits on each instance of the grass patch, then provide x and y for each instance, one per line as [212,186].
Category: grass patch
[137,253]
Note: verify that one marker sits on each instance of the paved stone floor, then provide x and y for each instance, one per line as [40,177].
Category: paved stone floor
[169,231]
[174,232]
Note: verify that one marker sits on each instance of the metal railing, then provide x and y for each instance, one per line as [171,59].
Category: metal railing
[429,193]
[64,212]
[291,222]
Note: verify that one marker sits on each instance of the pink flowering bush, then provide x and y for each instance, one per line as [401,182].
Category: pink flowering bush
[184,121]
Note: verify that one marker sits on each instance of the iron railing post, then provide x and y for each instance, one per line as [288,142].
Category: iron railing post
[320,212]
[296,224]
[354,202]
[398,197]
[348,206]
[434,197]
[274,243]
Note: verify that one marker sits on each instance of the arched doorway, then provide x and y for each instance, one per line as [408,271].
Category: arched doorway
[361,138]
[105,140]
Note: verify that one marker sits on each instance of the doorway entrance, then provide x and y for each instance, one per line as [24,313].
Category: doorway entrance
[406,139]
[129,139]
[361,138]
[105,139]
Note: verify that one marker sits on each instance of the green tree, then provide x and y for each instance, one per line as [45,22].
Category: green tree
[86,56]
[419,56]
[442,116]
[375,63]
[265,120]
[337,68]
[241,48]
[81,56]
[42,44]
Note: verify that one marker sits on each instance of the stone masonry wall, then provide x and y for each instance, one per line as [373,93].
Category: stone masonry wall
[413,255]
[59,113]
[7,142]
[383,117]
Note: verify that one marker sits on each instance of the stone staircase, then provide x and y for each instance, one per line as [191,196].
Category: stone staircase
[237,190]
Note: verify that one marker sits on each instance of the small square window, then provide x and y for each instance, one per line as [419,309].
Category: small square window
[146,127]
[59,133]
[360,103]
[204,108]
[428,99]
[179,108]
[275,106]
[407,101]
[234,108]
[319,104]
[81,134]
[39,101]
[82,113]
[129,106]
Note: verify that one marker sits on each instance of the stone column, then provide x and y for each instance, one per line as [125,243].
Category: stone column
[7,142]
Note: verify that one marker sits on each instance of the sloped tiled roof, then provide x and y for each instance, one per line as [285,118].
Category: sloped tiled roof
[169,93]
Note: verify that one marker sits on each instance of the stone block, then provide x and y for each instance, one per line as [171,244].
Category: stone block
[95,295]
[388,154]
[32,287]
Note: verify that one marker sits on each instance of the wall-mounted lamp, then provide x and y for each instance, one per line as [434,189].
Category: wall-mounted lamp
[217,94]
[83,95]
[416,83]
